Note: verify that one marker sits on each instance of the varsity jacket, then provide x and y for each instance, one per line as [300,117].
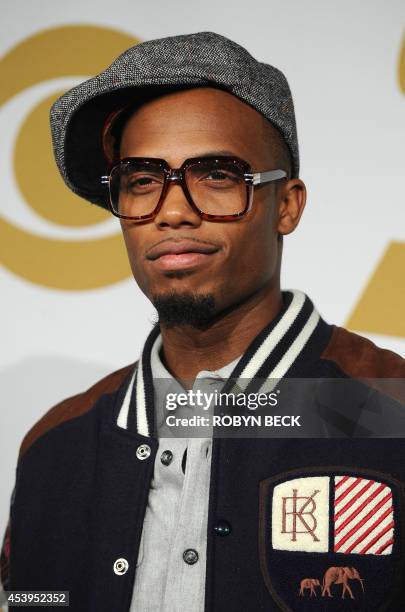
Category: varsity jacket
[316,523]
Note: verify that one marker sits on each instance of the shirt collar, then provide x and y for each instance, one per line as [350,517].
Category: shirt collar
[160,371]
[164,382]
[282,348]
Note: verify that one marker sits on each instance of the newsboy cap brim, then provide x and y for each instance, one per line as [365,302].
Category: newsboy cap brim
[151,69]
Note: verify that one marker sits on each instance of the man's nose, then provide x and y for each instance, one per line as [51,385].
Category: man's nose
[176,210]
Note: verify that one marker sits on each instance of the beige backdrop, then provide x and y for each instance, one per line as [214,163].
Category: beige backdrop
[71,312]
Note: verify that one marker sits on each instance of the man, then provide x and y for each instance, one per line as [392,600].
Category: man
[192,143]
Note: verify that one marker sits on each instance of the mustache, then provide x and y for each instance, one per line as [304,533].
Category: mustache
[175,239]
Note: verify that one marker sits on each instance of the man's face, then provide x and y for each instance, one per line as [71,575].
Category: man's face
[244,255]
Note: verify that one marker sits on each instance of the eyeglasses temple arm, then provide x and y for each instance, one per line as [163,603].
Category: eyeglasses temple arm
[266,177]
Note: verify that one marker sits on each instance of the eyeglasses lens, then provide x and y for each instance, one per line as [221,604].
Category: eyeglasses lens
[216,187]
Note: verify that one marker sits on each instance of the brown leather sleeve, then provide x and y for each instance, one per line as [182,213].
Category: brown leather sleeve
[360,358]
[74,406]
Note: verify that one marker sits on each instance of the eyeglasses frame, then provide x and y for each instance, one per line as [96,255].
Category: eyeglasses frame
[177,176]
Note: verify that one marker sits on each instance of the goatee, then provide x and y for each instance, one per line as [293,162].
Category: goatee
[176,309]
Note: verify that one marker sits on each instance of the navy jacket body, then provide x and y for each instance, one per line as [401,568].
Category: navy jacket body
[81,494]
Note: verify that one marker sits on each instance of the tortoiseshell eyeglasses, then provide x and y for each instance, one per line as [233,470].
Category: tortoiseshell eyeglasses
[217,188]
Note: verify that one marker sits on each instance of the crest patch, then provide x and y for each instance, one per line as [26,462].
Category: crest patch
[362,511]
[331,534]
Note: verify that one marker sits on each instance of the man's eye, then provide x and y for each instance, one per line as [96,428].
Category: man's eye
[217,175]
[141,182]
[220,176]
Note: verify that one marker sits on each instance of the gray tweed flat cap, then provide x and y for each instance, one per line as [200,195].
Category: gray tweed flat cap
[152,68]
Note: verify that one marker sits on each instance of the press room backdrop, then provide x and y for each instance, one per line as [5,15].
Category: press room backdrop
[71,312]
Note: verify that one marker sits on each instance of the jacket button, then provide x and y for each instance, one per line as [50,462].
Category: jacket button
[222,528]
[121,566]
[166,457]
[190,556]
[143,451]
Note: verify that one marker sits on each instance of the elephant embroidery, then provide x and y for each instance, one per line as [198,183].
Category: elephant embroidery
[309,583]
[340,575]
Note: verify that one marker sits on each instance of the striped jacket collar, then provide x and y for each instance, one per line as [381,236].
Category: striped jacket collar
[273,353]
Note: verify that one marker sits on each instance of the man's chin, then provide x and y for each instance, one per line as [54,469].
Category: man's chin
[184,308]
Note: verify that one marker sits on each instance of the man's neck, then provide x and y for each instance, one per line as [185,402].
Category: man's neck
[187,350]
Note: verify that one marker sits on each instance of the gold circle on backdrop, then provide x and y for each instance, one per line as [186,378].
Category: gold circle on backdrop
[59,264]
[38,177]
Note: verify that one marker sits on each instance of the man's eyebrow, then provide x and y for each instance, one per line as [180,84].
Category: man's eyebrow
[218,152]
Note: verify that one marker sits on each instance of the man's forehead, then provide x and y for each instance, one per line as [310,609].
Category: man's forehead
[205,105]
[193,123]
[207,109]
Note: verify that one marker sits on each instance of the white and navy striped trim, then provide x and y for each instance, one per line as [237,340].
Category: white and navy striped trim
[271,354]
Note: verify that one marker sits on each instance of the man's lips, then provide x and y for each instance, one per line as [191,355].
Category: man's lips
[180,254]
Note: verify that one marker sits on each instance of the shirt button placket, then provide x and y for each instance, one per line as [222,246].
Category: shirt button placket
[190,556]
[166,457]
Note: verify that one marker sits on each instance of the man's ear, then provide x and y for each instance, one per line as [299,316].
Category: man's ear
[291,205]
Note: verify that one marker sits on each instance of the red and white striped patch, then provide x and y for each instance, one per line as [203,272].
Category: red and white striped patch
[363,516]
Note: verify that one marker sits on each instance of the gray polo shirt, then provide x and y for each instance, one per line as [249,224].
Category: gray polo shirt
[170,572]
